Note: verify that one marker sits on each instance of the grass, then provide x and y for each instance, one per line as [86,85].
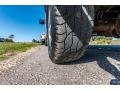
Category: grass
[14,47]
[100,40]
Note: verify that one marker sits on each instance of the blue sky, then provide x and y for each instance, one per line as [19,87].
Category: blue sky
[21,21]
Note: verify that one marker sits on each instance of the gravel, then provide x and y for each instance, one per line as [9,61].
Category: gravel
[100,65]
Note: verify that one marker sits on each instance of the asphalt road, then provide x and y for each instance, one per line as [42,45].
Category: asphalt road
[100,65]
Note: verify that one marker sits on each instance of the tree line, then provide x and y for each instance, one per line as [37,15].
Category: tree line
[35,41]
[8,39]
[11,37]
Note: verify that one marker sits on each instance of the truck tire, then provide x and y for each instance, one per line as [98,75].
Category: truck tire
[69,32]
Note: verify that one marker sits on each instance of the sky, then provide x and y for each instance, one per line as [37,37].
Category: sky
[21,21]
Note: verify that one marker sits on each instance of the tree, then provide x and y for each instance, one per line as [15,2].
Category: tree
[1,39]
[35,41]
[8,40]
[11,36]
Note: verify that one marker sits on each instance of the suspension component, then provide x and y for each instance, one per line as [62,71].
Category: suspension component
[107,21]
[107,28]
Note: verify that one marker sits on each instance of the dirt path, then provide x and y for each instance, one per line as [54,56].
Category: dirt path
[100,65]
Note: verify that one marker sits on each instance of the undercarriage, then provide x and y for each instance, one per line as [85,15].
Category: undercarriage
[107,21]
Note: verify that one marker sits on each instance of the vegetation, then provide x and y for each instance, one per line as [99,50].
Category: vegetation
[35,41]
[8,47]
[100,40]
[12,48]
[11,36]
[9,39]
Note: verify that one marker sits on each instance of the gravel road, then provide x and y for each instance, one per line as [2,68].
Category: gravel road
[100,65]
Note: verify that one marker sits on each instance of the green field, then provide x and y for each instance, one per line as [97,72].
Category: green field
[13,48]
